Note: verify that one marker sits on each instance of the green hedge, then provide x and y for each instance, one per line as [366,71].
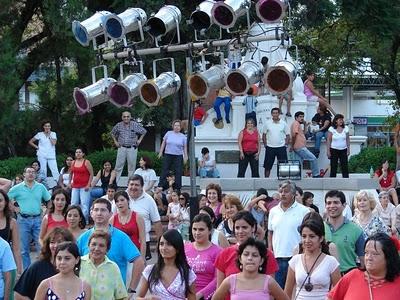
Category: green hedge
[12,166]
[372,157]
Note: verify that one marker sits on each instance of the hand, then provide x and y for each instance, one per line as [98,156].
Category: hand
[241,155]
[290,149]
[87,187]
[117,145]
[348,151]
[185,159]
[398,150]
[159,155]
[256,156]
[328,153]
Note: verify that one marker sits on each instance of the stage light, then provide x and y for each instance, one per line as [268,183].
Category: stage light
[117,26]
[240,80]
[122,93]
[201,83]
[202,17]
[165,20]
[153,90]
[279,78]
[89,29]
[225,14]
[271,11]
[289,170]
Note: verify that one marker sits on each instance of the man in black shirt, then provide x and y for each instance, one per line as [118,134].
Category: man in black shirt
[323,118]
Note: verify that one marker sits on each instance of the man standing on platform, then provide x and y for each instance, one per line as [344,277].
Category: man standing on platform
[29,195]
[125,136]
[275,137]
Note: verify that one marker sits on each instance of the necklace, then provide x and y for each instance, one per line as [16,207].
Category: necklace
[309,286]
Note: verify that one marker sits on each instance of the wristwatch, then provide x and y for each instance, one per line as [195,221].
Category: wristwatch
[131,291]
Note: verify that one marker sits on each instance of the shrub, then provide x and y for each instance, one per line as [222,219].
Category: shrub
[12,166]
[372,157]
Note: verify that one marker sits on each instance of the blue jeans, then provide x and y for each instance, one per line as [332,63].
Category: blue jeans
[29,229]
[82,197]
[203,172]
[97,192]
[306,154]
[217,104]
[318,138]
[280,275]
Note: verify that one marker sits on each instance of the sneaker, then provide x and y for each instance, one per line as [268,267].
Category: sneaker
[228,121]
[288,115]
[217,121]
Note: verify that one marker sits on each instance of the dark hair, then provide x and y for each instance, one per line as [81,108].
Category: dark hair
[102,235]
[82,148]
[337,194]
[323,108]
[262,249]
[186,196]
[275,108]
[298,113]
[148,163]
[136,177]
[112,186]
[209,211]
[82,222]
[335,119]
[103,201]
[44,122]
[65,166]
[45,253]
[391,255]
[123,194]
[72,248]
[300,190]
[36,161]
[250,91]
[53,196]
[307,195]
[217,187]
[201,217]
[379,169]
[262,191]
[309,73]
[246,216]
[106,161]
[204,150]
[7,212]
[174,238]
[319,229]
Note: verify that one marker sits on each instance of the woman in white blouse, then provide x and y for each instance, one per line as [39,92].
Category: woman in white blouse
[338,145]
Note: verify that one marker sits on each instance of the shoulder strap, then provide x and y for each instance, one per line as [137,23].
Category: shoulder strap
[232,281]
[266,281]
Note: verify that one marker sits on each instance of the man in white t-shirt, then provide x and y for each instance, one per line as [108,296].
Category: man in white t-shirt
[144,205]
[283,222]
[275,137]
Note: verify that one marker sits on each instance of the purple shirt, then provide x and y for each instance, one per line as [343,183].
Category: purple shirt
[202,263]
[174,143]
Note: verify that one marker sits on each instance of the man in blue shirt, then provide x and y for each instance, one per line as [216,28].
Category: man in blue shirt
[29,195]
[122,250]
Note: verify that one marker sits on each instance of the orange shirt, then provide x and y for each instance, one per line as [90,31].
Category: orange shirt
[297,132]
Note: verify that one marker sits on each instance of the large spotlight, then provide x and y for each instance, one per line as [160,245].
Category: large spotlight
[89,29]
[152,91]
[271,11]
[289,170]
[122,93]
[92,95]
[200,84]
[240,80]
[165,20]
[279,78]
[225,14]
[130,20]
[201,17]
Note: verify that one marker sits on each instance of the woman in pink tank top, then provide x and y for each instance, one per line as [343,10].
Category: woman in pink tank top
[251,282]
[312,94]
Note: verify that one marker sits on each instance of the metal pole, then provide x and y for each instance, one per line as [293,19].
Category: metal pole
[188,46]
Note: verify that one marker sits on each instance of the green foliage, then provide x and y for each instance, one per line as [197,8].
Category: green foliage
[12,166]
[372,157]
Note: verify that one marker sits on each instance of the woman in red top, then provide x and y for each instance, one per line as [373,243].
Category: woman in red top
[81,177]
[387,181]
[244,226]
[129,221]
[55,215]
[249,147]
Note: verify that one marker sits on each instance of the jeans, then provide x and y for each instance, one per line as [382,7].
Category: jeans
[318,138]
[97,192]
[280,275]
[79,195]
[29,229]
[217,104]
[341,155]
[172,163]
[125,154]
[214,173]
[306,154]
[243,163]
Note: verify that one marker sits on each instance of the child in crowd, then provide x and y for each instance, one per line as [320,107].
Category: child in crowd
[56,213]
[185,215]
[250,101]
[288,96]
[111,189]
[174,211]
[199,114]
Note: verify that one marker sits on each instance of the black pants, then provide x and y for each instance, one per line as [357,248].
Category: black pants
[243,163]
[341,155]
[172,163]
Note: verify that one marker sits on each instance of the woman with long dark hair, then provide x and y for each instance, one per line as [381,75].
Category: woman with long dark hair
[66,284]
[76,220]
[312,272]
[106,176]
[338,146]
[170,277]
[147,172]
[64,179]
